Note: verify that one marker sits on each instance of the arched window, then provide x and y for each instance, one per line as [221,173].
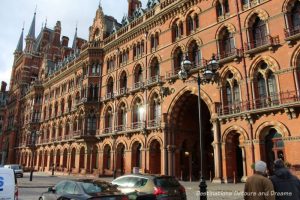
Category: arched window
[266,87]
[110,87]
[154,69]
[293,19]
[138,77]
[155,109]
[190,25]
[222,9]
[272,88]
[154,41]
[295,16]
[177,59]
[231,95]
[92,124]
[108,120]
[122,115]
[195,54]
[226,44]
[259,33]
[177,30]
[123,82]
[138,112]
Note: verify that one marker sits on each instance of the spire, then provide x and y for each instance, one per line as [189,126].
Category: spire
[100,5]
[31,32]
[20,43]
[74,46]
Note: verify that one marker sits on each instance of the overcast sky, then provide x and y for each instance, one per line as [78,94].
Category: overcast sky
[13,13]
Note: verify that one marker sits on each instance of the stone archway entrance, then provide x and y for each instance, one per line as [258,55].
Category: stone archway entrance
[235,166]
[155,158]
[185,132]
[272,148]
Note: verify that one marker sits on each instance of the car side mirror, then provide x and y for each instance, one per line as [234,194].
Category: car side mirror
[51,189]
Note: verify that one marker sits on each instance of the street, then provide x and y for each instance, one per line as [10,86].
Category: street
[30,190]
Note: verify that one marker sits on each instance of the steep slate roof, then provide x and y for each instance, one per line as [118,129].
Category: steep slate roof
[20,43]
[31,33]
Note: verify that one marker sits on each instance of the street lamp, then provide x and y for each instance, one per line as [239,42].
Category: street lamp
[209,74]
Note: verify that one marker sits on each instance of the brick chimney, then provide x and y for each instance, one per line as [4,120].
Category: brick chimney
[3,86]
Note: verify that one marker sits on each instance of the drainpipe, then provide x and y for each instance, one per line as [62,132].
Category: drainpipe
[146,109]
[245,74]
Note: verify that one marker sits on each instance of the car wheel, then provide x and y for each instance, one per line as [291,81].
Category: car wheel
[41,198]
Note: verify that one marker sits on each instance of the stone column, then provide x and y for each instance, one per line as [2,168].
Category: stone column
[171,166]
[217,152]
[244,177]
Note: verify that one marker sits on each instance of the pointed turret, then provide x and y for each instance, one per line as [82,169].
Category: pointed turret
[31,33]
[74,45]
[30,38]
[19,48]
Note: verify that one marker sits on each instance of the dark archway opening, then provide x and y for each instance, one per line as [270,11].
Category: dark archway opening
[185,127]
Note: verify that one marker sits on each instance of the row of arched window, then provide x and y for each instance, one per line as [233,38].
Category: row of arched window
[118,120]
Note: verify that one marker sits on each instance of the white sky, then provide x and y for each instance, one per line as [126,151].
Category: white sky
[13,13]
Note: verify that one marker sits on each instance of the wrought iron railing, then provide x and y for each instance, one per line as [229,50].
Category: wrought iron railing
[260,103]
[288,32]
[266,40]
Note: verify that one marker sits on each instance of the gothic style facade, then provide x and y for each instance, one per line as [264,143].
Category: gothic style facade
[115,102]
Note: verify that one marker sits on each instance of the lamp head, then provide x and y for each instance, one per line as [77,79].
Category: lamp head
[182,74]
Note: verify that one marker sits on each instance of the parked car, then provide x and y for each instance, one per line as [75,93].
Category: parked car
[163,187]
[83,189]
[17,168]
[8,184]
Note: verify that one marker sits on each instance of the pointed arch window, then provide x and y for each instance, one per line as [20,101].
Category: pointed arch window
[123,83]
[267,94]
[226,44]
[138,77]
[293,19]
[222,9]
[154,69]
[195,54]
[259,33]
[108,120]
[295,16]
[92,124]
[177,59]
[110,88]
[122,115]
[190,24]
[231,95]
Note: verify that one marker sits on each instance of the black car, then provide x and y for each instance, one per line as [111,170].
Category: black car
[83,189]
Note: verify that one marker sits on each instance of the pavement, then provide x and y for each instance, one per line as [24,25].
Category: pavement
[41,181]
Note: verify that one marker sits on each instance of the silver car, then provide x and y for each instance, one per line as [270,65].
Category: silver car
[17,168]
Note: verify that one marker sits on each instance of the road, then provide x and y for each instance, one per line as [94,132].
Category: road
[41,181]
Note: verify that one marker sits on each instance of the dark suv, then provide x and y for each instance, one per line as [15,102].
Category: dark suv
[162,187]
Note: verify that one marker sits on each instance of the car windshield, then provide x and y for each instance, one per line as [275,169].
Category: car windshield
[15,167]
[97,187]
[166,182]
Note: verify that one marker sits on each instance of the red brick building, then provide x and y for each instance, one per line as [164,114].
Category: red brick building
[115,102]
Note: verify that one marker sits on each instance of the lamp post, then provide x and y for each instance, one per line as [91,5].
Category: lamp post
[33,138]
[209,74]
